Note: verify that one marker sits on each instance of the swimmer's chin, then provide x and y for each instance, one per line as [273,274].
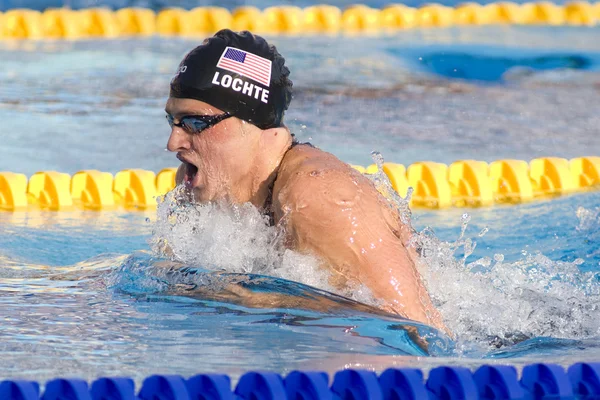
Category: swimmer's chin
[200,194]
[203,195]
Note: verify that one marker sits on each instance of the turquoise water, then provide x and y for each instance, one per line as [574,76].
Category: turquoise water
[83,293]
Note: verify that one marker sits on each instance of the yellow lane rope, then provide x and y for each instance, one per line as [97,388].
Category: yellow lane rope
[320,19]
[465,183]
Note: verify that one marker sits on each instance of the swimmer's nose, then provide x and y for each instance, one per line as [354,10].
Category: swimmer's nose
[179,140]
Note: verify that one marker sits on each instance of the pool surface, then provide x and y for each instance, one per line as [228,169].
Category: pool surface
[83,293]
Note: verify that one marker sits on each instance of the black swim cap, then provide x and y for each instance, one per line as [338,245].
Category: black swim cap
[239,73]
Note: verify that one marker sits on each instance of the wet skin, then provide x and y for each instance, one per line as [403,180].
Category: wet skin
[325,207]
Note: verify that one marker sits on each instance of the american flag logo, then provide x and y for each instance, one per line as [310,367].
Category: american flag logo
[246,64]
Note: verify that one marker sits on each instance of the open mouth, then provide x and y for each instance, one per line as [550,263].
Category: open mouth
[191,173]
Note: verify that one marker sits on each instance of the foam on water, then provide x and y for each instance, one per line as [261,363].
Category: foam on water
[234,239]
[589,220]
[489,303]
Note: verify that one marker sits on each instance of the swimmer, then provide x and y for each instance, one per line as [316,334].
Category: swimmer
[225,109]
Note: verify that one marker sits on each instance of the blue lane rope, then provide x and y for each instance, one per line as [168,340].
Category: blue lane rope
[538,381]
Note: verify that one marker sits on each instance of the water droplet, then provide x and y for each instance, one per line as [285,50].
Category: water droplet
[378,159]
[465,218]
[469,247]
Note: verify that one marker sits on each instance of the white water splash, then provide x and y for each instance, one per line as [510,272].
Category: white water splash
[589,226]
[384,186]
[490,303]
[237,239]
[589,220]
[487,303]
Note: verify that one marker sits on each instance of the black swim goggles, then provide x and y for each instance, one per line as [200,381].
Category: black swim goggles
[195,124]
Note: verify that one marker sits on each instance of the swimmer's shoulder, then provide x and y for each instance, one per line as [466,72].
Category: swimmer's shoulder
[305,162]
[310,176]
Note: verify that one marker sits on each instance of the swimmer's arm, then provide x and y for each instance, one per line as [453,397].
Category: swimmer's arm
[339,216]
[238,294]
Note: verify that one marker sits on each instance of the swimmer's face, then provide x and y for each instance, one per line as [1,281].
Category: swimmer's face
[217,160]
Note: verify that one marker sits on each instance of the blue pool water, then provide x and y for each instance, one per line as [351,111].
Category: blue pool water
[83,293]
